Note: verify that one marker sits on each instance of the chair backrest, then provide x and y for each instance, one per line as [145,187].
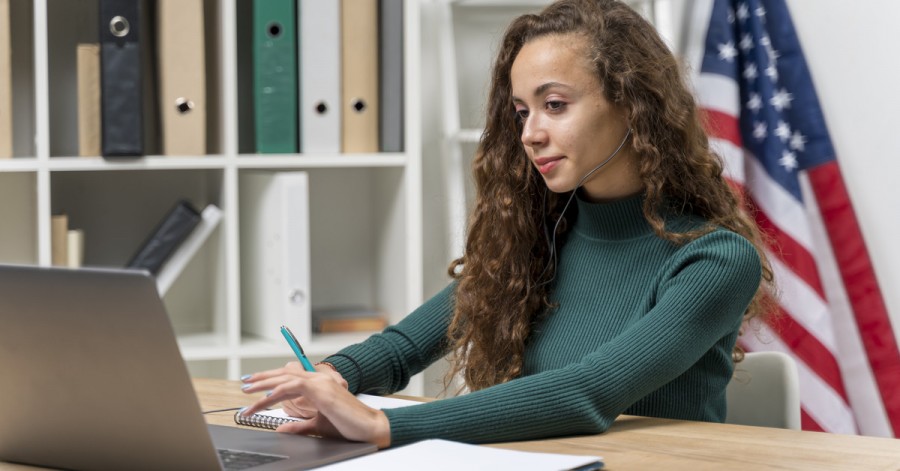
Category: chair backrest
[764,391]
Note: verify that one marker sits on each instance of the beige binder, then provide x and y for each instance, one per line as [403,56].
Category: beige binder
[88,64]
[6,147]
[359,68]
[182,77]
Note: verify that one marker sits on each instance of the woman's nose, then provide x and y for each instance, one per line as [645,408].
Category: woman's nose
[533,132]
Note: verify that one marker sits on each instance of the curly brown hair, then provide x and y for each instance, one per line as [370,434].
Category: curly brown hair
[502,277]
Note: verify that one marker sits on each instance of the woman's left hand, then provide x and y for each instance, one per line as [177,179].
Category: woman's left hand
[340,414]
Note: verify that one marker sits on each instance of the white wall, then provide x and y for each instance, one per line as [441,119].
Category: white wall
[851,53]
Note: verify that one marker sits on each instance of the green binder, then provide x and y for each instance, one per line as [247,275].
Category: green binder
[275,76]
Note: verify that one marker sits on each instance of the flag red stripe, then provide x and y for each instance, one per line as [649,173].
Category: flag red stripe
[794,255]
[809,350]
[859,280]
[723,126]
[808,423]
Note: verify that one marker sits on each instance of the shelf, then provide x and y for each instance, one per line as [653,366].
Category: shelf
[469,135]
[152,162]
[365,212]
[207,346]
[19,164]
[259,161]
[321,345]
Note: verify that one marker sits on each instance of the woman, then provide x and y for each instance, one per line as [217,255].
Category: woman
[622,289]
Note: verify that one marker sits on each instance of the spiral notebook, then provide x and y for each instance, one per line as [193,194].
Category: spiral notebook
[272,418]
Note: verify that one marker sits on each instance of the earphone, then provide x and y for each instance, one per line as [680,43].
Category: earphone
[552,243]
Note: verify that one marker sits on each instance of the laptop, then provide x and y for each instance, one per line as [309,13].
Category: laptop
[93,379]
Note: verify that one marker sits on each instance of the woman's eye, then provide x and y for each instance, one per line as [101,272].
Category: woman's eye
[555,105]
[521,114]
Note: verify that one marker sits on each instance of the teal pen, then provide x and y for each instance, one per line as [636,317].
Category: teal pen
[298,350]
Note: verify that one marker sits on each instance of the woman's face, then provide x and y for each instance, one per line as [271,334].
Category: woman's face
[568,127]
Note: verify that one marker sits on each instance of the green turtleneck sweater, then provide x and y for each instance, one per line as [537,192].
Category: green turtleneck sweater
[642,327]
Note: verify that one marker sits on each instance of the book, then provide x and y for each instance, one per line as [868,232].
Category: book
[209,220]
[6,147]
[59,233]
[347,319]
[181,57]
[359,73]
[74,248]
[275,76]
[450,455]
[88,65]
[123,77]
[272,418]
[320,76]
[274,234]
[390,123]
[168,234]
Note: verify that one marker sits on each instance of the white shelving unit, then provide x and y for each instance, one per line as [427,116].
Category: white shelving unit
[365,209]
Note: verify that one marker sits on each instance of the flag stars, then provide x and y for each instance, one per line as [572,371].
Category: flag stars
[781,100]
[798,141]
[751,72]
[743,12]
[788,160]
[760,130]
[772,72]
[746,42]
[727,51]
[761,13]
[754,103]
[783,131]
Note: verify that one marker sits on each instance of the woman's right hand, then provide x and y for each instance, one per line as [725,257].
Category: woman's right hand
[300,407]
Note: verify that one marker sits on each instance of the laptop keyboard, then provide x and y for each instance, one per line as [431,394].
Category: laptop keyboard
[234,460]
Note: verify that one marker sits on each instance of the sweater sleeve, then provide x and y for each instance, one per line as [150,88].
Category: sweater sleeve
[701,298]
[385,362]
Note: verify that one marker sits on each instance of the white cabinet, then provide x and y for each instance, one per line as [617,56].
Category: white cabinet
[365,209]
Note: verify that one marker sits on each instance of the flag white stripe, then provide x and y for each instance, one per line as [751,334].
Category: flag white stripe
[718,93]
[820,401]
[780,206]
[862,390]
[732,158]
[804,305]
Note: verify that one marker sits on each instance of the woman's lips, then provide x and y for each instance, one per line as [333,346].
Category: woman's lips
[546,164]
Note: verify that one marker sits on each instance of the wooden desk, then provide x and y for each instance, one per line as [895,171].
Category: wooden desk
[638,443]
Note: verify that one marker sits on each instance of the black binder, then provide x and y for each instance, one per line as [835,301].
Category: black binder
[166,237]
[124,74]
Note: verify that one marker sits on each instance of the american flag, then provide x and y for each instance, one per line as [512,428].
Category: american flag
[764,119]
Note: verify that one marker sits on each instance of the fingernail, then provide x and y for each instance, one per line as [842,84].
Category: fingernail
[268,393]
[241,412]
[246,377]
[247,386]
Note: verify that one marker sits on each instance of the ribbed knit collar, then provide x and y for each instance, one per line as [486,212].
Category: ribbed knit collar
[618,220]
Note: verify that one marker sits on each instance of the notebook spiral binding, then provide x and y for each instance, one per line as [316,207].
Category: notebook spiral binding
[261,421]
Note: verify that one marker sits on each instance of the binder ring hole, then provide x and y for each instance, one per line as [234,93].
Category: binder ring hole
[183,105]
[321,107]
[119,26]
[274,29]
[359,105]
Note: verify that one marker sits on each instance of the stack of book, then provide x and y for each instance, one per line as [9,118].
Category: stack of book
[328,76]
[142,87]
[347,319]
